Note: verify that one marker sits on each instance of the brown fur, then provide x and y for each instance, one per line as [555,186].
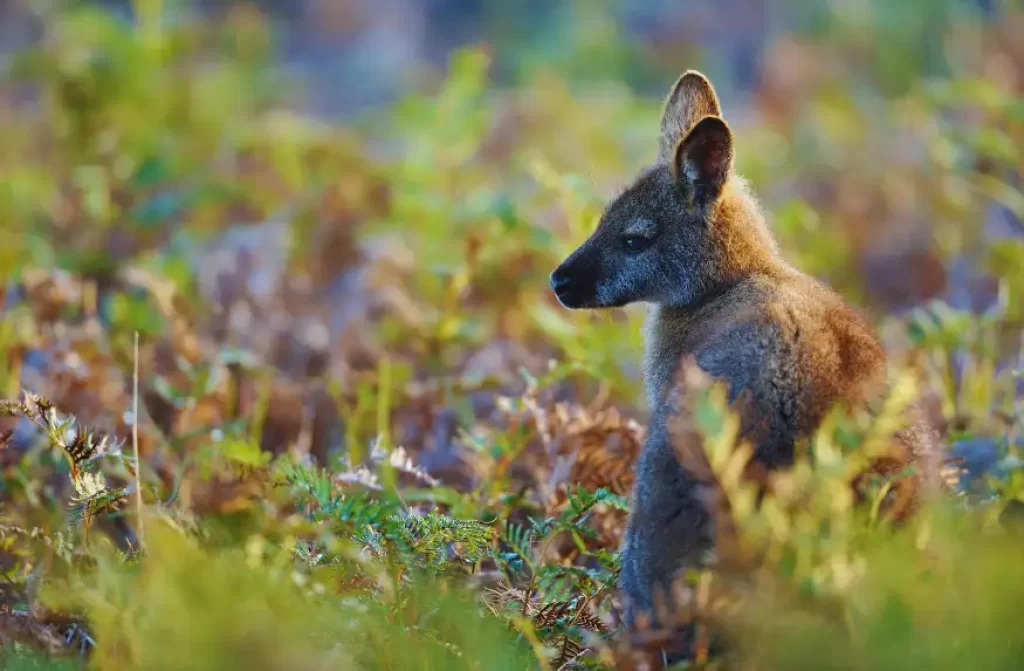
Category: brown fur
[689,239]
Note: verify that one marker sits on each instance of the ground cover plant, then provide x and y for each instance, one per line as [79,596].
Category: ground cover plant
[288,392]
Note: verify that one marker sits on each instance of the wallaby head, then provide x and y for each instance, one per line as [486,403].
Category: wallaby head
[682,229]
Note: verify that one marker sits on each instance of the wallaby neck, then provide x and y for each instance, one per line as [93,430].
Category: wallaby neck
[664,341]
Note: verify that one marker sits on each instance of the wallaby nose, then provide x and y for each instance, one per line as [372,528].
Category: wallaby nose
[558,280]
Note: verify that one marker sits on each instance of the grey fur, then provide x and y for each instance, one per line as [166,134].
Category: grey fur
[719,292]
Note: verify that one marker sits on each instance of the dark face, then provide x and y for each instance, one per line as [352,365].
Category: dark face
[644,245]
[654,243]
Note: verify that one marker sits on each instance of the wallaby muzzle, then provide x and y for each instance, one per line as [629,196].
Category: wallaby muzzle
[575,280]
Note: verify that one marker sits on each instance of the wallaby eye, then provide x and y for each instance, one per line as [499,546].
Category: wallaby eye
[636,243]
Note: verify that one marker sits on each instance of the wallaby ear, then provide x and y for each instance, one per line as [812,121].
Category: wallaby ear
[689,101]
[703,159]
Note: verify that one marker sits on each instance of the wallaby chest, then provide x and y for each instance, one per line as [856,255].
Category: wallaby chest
[673,333]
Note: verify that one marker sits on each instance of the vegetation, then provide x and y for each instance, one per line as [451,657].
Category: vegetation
[367,435]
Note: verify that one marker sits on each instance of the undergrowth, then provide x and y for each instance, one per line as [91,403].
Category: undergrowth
[369,437]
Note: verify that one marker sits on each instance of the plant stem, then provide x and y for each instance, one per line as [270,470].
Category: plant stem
[135,443]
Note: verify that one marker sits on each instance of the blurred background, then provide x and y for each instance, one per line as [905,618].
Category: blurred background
[356,54]
[331,224]
[308,188]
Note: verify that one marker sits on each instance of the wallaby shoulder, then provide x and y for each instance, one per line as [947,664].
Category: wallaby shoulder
[785,339]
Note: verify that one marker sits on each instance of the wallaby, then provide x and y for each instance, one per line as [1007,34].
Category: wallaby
[689,239]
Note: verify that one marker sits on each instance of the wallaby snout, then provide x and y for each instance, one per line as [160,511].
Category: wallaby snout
[575,280]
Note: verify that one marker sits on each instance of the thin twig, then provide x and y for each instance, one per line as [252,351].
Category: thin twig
[135,443]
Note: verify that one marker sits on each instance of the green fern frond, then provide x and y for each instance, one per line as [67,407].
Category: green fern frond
[441,539]
[520,541]
[93,502]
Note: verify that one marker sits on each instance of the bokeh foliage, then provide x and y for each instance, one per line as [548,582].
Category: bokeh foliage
[369,436]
